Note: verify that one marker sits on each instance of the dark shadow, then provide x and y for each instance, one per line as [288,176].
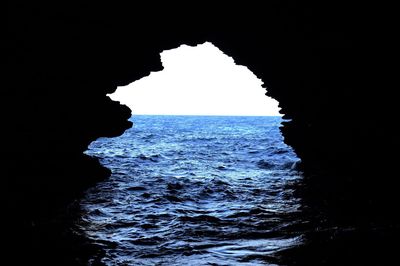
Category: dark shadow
[308,54]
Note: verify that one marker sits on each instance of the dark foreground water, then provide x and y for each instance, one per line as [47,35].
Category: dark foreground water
[192,190]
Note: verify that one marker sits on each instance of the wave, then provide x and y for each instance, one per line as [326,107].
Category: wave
[195,191]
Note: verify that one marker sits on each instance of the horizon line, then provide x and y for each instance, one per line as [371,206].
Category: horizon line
[279,115]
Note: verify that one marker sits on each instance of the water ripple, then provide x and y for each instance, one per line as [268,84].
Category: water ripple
[194,191]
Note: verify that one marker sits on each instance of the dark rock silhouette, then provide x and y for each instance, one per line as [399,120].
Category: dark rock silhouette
[62,61]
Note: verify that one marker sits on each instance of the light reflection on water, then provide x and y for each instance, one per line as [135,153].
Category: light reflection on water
[194,191]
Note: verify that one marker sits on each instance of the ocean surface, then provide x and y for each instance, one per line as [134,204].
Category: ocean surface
[194,190]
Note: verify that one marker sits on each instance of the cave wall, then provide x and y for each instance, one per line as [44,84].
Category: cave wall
[63,60]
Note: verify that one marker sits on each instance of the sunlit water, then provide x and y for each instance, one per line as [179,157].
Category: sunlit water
[192,190]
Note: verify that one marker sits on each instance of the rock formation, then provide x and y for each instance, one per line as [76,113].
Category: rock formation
[63,60]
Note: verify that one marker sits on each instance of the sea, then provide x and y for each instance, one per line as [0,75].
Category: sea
[194,190]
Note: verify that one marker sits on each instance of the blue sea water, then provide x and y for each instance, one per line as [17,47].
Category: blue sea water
[194,190]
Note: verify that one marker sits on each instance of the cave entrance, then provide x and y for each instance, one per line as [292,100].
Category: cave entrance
[199,80]
[202,175]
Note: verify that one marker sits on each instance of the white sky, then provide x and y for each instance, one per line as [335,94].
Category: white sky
[198,80]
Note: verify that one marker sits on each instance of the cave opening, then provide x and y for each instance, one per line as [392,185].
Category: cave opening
[198,80]
[203,175]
